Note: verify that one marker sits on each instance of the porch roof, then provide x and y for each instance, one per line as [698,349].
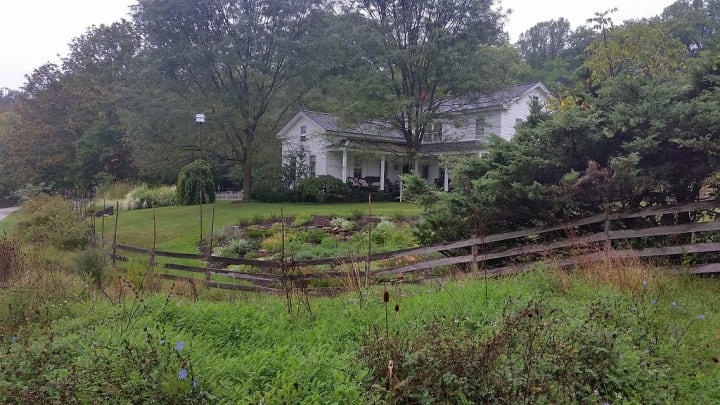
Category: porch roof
[396,148]
[443,148]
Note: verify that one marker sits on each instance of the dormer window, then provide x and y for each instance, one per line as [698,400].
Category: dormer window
[303,133]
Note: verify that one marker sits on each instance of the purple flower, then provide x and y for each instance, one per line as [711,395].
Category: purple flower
[194,383]
[653,302]
[673,305]
[182,374]
[701,317]
[162,342]
[179,345]
[644,283]
[14,339]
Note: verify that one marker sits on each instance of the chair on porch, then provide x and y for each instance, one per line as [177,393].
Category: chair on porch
[352,182]
[363,183]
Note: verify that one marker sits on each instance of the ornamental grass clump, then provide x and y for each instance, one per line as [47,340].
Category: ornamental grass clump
[12,259]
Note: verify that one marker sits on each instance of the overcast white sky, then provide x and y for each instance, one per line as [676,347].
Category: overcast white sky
[34,32]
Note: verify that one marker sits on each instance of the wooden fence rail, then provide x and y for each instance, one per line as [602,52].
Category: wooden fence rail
[267,275]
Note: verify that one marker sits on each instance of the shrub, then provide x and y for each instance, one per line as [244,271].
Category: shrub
[52,221]
[146,197]
[194,180]
[530,357]
[117,190]
[342,223]
[92,265]
[302,219]
[322,189]
[236,248]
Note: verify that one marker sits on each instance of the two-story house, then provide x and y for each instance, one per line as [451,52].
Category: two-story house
[372,154]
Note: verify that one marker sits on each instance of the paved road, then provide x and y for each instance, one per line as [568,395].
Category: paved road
[7,211]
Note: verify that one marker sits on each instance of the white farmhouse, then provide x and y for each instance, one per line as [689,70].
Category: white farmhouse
[372,154]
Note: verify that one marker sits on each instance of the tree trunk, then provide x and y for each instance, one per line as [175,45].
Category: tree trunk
[247,175]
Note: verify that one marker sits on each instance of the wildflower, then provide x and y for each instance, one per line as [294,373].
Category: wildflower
[162,342]
[179,345]
[182,374]
[14,339]
[701,317]
[194,383]
[673,305]
[653,302]
[644,283]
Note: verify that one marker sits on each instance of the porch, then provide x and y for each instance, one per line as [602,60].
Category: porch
[381,172]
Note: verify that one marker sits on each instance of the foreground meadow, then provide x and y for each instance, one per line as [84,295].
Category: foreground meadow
[73,330]
[536,338]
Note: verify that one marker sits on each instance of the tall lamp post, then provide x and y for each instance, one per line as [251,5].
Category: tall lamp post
[200,119]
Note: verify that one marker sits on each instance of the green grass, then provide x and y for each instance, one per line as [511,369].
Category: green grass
[247,349]
[7,225]
[178,228]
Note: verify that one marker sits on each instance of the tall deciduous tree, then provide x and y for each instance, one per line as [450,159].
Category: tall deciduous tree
[236,57]
[695,23]
[545,41]
[69,128]
[418,60]
[635,49]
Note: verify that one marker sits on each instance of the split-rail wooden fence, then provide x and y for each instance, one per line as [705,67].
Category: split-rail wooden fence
[595,238]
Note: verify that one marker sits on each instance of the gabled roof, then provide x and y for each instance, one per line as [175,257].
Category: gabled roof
[331,123]
[497,99]
[327,121]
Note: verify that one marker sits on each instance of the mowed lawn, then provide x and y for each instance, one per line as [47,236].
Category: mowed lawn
[178,227]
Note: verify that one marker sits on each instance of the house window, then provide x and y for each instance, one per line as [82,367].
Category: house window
[436,132]
[313,166]
[303,133]
[357,168]
[479,128]
[535,99]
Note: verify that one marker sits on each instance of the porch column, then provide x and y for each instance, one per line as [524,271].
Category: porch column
[382,173]
[446,180]
[344,166]
[417,167]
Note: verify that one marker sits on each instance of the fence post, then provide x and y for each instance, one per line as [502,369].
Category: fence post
[114,244]
[367,258]
[151,253]
[474,268]
[102,225]
[608,245]
[208,254]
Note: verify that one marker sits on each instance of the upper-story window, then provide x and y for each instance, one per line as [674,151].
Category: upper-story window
[303,133]
[436,132]
[479,128]
[313,165]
